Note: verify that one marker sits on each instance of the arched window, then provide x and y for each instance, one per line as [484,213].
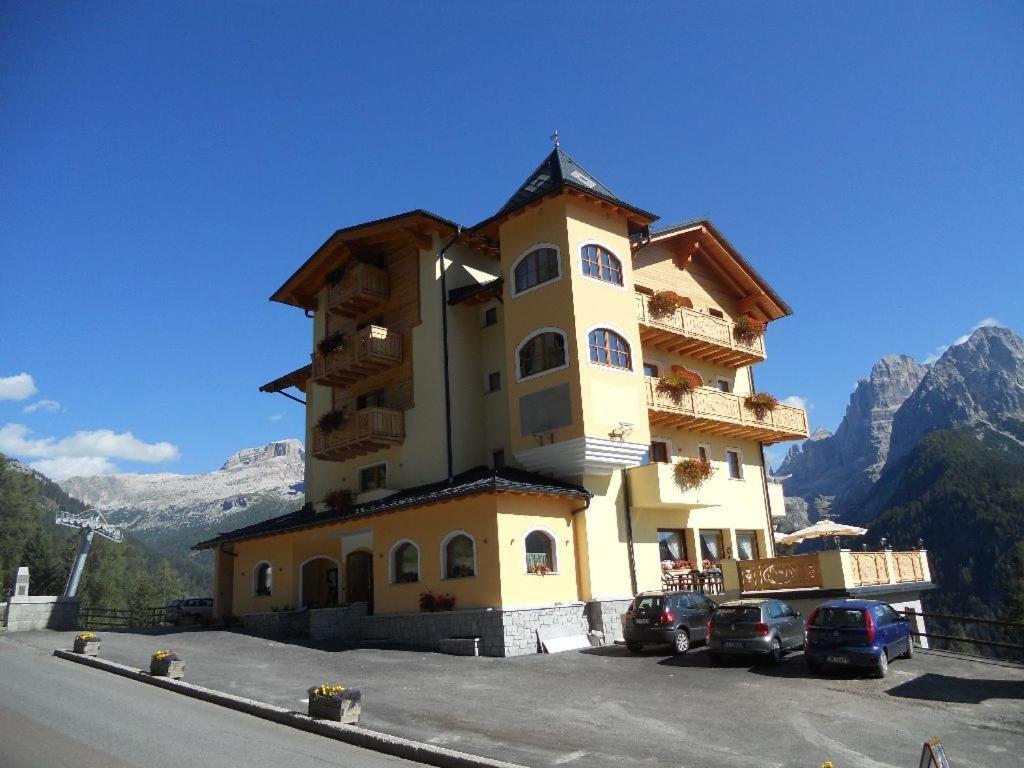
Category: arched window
[537,267]
[262,577]
[541,352]
[458,553]
[601,265]
[405,563]
[540,552]
[608,348]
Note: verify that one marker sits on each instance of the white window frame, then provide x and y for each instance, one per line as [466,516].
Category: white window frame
[728,383]
[739,459]
[668,443]
[707,452]
[393,572]
[604,366]
[444,556]
[512,270]
[359,473]
[646,361]
[535,332]
[554,550]
[622,264]
[270,581]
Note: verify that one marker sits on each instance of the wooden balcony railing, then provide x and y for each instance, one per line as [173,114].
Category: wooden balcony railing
[688,332]
[368,351]
[831,569]
[361,288]
[368,430]
[723,413]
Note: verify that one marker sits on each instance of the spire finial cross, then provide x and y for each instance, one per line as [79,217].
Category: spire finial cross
[554,138]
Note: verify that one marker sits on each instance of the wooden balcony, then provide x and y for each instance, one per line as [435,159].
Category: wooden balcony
[688,332]
[723,413]
[362,288]
[363,353]
[368,430]
[830,570]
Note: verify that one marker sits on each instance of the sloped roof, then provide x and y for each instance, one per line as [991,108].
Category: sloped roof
[470,483]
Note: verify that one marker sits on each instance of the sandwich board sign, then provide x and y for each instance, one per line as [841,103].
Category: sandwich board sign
[932,755]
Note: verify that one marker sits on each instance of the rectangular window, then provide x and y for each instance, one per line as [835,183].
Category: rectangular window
[724,385]
[732,458]
[746,545]
[716,313]
[659,451]
[490,316]
[711,545]
[651,370]
[498,459]
[493,381]
[702,452]
[373,399]
[373,477]
[672,545]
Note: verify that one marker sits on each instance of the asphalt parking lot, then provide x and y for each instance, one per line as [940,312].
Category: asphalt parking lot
[605,707]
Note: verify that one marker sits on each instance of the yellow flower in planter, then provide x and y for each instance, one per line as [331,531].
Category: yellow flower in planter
[165,656]
[87,637]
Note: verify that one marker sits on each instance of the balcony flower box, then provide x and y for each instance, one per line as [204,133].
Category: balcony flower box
[337,703]
[749,330]
[692,473]
[167,664]
[87,644]
[678,383]
[330,343]
[664,303]
[761,403]
[332,421]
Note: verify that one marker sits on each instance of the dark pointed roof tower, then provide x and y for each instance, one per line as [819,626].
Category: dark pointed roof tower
[556,172]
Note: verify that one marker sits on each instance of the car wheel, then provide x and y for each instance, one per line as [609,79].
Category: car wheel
[775,654]
[635,647]
[680,642]
[882,665]
[909,653]
[814,667]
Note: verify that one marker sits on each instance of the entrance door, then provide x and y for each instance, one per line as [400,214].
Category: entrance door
[359,578]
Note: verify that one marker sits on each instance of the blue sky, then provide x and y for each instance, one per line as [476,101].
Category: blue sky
[167,166]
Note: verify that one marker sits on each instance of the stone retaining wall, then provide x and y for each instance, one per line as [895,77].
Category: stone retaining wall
[335,623]
[28,612]
[277,624]
[605,616]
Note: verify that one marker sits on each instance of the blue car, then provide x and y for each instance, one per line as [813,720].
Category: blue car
[856,633]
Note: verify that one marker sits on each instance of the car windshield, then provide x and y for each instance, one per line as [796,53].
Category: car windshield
[839,617]
[738,613]
[649,603]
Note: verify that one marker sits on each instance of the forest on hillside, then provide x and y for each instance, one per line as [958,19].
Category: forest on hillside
[125,575]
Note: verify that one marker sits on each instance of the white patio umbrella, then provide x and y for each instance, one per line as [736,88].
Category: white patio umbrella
[822,529]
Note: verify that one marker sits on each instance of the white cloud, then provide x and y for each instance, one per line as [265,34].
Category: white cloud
[796,401]
[101,443]
[50,406]
[275,417]
[986,322]
[74,466]
[17,387]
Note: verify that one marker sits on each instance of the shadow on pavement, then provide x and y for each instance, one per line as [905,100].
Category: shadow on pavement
[934,687]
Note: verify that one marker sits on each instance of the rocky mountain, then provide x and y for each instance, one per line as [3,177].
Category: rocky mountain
[267,477]
[847,464]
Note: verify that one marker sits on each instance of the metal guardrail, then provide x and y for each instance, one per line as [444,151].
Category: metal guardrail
[1018,625]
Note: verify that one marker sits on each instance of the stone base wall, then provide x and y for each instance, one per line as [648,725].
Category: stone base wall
[277,624]
[335,623]
[519,626]
[426,630]
[605,616]
[27,612]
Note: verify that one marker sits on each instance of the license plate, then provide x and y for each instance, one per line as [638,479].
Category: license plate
[732,644]
[837,660]
[641,621]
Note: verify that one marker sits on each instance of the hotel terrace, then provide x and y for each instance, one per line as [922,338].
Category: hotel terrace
[527,421]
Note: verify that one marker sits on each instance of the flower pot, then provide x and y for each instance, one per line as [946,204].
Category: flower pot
[174,669]
[336,709]
[87,647]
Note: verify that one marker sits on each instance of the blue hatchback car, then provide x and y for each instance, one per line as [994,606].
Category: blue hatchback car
[859,633]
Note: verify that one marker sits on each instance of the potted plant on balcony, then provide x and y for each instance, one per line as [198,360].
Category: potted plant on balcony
[664,303]
[338,500]
[681,565]
[87,644]
[335,702]
[761,403]
[332,421]
[678,383]
[692,473]
[541,569]
[330,343]
[167,664]
[749,329]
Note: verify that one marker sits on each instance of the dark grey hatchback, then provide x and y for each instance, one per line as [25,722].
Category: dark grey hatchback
[767,628]
[674,618]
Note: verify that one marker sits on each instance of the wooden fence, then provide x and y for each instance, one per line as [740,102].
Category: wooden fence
[118,618]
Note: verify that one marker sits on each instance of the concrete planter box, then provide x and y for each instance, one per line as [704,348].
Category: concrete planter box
[167,668]
[338,710]
[87,647]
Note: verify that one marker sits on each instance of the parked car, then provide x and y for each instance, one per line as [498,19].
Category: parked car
[195,610]
[171,611]
[676,618]
[764,627]
[859,633]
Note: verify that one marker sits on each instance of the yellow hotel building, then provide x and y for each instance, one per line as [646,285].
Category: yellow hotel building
[494,413]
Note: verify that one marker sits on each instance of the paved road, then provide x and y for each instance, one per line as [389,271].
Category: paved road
[54,713]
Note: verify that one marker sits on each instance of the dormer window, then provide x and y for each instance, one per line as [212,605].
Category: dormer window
[600,264]
[535,268]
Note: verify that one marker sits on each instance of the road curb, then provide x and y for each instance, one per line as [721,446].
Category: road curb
[396,746]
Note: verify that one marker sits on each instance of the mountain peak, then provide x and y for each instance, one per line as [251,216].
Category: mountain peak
[249,456]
